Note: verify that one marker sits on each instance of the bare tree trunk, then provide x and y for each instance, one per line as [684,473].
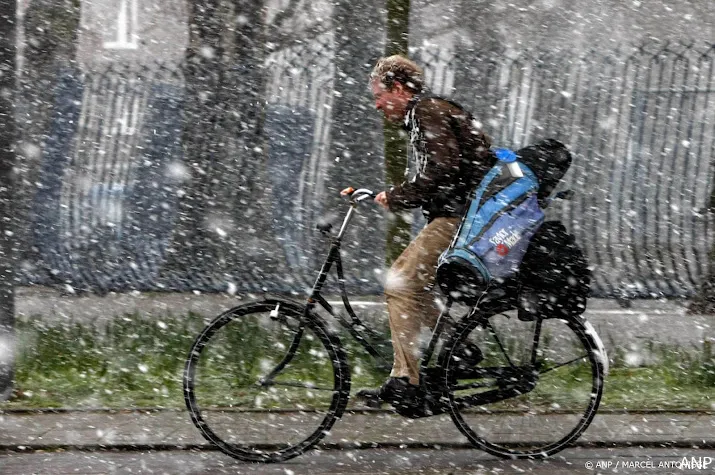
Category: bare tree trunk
[398,231]
[222,129]
[355,135]
[8,219]
[475,50]
[190,242]
[248,196]
[51,36]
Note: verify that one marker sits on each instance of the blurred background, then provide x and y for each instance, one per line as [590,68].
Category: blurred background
[171,150]
[166,146]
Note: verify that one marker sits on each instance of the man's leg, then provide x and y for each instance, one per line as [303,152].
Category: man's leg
[410,301]
[407,316]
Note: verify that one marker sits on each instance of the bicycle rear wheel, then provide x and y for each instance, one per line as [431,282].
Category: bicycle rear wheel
[264,383]
[536,389]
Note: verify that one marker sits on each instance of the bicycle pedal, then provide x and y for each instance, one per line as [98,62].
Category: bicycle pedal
[370,400]
[373,403]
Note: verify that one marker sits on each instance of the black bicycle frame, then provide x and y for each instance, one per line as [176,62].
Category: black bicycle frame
[354,325]
[363,334]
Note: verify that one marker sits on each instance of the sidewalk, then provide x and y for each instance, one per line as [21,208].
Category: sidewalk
[167,429]
[645,324]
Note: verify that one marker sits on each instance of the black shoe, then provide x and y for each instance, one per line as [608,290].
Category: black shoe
[394,390]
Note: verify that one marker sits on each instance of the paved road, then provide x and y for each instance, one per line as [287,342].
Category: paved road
[173,429]
[368,461]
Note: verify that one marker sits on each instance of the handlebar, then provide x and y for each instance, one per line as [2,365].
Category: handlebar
[357,195]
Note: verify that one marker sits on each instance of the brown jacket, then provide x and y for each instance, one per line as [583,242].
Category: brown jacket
[451,154]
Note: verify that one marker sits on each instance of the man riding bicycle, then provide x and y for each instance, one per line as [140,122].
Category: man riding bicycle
[561,353]
[452,155]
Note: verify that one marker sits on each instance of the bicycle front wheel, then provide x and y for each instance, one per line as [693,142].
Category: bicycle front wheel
[264,382]
[531,389]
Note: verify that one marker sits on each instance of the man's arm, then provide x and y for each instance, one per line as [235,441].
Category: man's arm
[439,163]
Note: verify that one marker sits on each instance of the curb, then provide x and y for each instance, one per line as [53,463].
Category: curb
[692,428]
[365,410]
[680,444]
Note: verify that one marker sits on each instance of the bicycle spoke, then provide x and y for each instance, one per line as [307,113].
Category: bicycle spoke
[551,368]
[265,381]
[535,389]
[498,340]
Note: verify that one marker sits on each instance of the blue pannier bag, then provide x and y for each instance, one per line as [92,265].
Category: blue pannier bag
[495,231]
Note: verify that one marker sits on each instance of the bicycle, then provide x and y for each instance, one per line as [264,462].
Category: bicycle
[515,388]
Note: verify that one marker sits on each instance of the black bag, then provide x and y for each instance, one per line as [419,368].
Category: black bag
[457,275]
[549,160]
[554,276]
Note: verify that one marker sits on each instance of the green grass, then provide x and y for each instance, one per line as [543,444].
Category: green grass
[136,362]
[129,362]
[677,379]
[245,350]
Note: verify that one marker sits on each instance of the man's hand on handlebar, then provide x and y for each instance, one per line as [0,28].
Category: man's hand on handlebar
[363,193]
[381,199]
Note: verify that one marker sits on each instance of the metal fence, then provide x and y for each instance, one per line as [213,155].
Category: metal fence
[641,126]
[109,156]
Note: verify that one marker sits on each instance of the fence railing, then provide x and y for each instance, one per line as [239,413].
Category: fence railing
[108,157]
[641,126]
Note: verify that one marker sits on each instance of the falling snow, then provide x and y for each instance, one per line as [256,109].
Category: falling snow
[172,161]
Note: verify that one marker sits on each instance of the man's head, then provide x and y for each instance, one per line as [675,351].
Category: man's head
[394,81]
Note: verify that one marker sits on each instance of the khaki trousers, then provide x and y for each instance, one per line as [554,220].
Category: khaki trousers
[410,298]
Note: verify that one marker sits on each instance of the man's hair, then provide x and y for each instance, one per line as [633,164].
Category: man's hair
[397,68]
